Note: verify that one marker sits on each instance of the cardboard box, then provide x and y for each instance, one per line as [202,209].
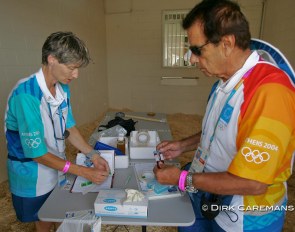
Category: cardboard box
[146,150]
[111,203]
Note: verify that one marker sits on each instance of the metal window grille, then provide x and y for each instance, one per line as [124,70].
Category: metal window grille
[175,42]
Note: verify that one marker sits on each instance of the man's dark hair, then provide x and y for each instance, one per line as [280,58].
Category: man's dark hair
[67,48]
[220,18]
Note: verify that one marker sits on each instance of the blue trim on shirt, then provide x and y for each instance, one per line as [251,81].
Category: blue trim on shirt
[14,145]
[213,89]
[30,87]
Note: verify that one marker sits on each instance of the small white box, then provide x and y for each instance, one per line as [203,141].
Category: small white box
[109,155]
[121,161]
[139,150]
[111,203]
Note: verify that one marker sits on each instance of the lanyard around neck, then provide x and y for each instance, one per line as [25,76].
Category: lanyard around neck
[232,93]
[60,120]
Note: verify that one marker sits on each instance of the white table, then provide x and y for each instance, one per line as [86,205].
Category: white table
[175,211]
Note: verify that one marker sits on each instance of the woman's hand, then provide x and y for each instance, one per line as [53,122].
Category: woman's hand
[99,172]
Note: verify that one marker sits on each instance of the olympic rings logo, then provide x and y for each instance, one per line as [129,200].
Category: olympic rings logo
[33,143]
[255,156]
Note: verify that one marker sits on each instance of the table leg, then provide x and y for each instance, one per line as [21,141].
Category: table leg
[143,228]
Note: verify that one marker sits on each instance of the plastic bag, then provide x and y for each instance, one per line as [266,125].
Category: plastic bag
[111,132]
[80,221]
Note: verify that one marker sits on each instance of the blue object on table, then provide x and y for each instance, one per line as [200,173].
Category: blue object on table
[151,183]
[159,188]
[102,146]
[172,188]
[88,162]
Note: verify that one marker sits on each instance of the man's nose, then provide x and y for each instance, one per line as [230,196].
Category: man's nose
[194,59]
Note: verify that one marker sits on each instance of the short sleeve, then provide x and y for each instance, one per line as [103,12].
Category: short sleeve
[31,131]
[70,120]
[265,138]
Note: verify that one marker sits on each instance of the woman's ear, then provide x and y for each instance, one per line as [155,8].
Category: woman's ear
[51,60]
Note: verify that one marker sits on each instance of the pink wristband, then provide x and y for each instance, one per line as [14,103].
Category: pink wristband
[66,167]
[182,179]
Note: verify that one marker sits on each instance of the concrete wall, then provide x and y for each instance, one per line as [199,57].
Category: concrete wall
[24,26]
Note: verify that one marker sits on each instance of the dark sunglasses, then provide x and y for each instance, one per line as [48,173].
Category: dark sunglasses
[197,50]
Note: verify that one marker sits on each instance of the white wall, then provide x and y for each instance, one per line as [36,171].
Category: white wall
[134,47]
[24,26]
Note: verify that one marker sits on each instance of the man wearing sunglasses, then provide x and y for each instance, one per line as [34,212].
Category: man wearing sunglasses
[38,120]
[244,153]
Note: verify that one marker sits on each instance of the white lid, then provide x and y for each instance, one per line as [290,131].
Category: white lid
[121,137]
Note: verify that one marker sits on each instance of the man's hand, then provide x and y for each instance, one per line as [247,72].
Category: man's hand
[167,174]
[169,149]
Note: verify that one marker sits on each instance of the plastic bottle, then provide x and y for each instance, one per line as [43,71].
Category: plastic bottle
[121,143]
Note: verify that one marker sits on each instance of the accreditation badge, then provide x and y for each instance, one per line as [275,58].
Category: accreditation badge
[199,160]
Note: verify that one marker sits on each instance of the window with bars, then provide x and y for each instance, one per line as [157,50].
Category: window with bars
[175,41]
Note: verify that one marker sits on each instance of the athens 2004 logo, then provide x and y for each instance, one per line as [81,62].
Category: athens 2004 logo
[255,156]
[33,143]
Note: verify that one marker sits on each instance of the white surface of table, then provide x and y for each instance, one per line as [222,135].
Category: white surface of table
[175,211]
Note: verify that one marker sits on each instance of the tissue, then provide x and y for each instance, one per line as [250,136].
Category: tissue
[133,195]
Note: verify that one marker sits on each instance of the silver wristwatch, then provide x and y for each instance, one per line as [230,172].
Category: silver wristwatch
[88,161]
[189,183]
[90,154]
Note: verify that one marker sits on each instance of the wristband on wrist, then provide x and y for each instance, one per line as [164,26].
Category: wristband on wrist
[66,167]
[182,179]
